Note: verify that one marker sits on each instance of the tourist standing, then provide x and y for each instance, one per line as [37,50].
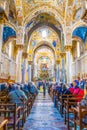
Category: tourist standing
[44,87]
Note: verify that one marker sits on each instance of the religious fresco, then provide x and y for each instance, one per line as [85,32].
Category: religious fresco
[28,5]
[12,11]
[3,16]
[44,34]
[8,32]
[80,32]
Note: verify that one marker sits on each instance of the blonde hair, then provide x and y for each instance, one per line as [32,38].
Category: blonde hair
[85,90]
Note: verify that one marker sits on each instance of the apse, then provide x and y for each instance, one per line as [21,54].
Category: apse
[44,61]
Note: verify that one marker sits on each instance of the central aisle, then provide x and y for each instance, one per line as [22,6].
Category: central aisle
[44,116]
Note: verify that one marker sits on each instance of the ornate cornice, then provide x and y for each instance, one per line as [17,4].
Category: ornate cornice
[30,62]
[58,61]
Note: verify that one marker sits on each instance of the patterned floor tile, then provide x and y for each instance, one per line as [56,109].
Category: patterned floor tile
[44,116]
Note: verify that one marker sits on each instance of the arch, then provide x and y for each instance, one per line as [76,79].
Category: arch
[43,56]
[80,32]
[78,24]
[44,43]
[11,39]
[44,9]
[41,24]
[77,39]
[11,25]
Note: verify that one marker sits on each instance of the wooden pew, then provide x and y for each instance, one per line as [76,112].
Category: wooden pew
[69,103]
[79,114]
[61,99]
[3,123]
[25,106]
[12,113]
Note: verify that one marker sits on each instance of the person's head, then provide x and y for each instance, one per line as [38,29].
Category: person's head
[64,86]
[18,87]
[75,83]
[71,85]
[78,78]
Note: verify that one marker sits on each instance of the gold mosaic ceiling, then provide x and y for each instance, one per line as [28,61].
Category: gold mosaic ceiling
[29,5]
[64,9]
[37,37]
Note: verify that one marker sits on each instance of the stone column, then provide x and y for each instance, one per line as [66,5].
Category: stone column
[29,71]
[58,71]
[19,64]
[63,66]
[35,70]
[24,56]
[20,45]
[68,63]
[1,41]
[78,49]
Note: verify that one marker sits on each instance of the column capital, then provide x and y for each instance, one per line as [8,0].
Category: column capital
[30,62]
[20,47]
[62,54]
[68,47]
[58,61]
[24,55]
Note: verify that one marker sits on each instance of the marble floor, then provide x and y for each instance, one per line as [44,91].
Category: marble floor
[44,116]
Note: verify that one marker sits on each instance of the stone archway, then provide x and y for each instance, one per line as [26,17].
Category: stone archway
[44,62]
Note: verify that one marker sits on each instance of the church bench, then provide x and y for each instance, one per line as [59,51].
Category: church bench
[69,103]
[60,101]
[12,113]
[3,123]
[79,113]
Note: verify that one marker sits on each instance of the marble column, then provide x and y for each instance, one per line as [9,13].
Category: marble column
[1,41]
[23,70]
[24,56]
[35,70]
[63,66]
[58,71]
[78,49]
[68,63]
[29,71]
[20,45]
[19,64]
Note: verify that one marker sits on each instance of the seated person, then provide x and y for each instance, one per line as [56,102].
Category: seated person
[71,88]
[4,86]
[59,88]
[82,84]
[76,87]
[65,90]
[17,96]
[4,89]
[11,87]
[32,89]
[84,103]
[78,92]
